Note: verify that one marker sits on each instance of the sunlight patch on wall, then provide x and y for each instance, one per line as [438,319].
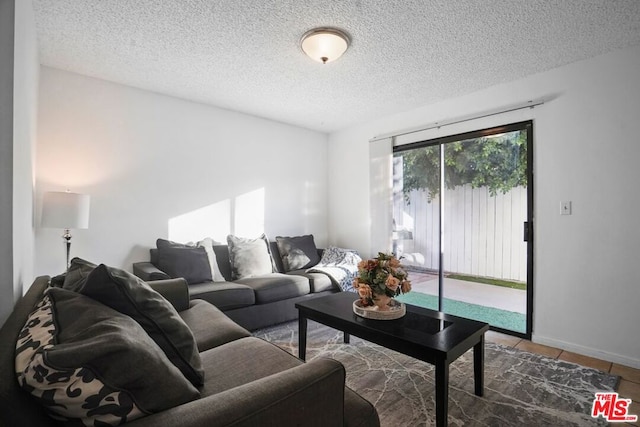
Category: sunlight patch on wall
[210,221]
[249,214]
[242,216]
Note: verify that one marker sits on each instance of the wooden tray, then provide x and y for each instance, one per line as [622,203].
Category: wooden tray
[397,310]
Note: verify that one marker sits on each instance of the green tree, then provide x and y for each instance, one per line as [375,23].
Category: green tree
[497,162]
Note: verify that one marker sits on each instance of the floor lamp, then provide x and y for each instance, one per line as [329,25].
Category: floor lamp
[65,210]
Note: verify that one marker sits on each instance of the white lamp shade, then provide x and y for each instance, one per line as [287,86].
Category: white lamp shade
[65,210]
[325,45]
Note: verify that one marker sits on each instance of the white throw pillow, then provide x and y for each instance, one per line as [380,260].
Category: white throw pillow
[249,257]
[207,244]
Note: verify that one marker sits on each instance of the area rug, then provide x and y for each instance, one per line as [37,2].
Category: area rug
[494,316]
[521,389]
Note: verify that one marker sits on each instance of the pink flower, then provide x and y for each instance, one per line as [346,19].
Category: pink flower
[364,291]
[405,287]
[392,283]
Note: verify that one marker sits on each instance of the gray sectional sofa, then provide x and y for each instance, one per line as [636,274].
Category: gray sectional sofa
[247,381]
[252,302]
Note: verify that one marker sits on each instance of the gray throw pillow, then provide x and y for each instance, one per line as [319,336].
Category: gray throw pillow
[76,275]
[86,362]
[129,295]
[249,257]
[191,263]
[164,243]
[298,252]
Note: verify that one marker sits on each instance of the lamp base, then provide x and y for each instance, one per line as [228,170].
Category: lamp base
[67,237]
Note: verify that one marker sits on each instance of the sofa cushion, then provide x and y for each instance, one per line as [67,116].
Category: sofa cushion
[77,273]
[129,295]
[224,295]
[191,263]
[277,259]
[234,364]
[224,264]
[277,287]
[164,243]
[297,252]
[83,360]
[318,282]
[249,257]
[210,326]
[358,412]
[206,243]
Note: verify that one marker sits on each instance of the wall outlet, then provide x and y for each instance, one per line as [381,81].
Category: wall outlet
[565,208]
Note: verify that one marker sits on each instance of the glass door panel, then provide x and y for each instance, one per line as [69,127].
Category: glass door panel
[416,221]
[485,256]
[460,208]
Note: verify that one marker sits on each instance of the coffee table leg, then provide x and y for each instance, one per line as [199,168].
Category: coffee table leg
[442,392]
[302,336]
[346,338]
[478,366]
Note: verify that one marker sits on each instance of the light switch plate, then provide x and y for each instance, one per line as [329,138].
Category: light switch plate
[565,208]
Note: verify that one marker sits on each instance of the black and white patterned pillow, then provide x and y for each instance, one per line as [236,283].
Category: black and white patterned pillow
[84,361]
[339,256]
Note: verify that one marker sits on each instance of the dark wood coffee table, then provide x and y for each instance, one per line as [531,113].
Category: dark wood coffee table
[427,335]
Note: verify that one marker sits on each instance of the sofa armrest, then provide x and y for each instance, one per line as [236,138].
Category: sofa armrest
[149,272]
[308,395]
[176,291]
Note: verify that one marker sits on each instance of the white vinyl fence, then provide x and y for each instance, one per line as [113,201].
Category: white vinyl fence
[483,234]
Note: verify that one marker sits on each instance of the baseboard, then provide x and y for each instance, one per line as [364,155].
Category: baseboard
[587,351]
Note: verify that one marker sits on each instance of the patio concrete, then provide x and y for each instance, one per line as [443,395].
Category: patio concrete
[474,293]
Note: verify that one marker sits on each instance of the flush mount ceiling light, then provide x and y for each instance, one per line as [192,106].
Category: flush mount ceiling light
[324,44]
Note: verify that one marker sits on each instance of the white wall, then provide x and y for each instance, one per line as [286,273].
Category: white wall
[18,107]
[25,121]
[586,148]
[146,159]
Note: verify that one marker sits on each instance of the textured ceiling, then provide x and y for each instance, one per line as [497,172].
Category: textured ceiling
[245,55]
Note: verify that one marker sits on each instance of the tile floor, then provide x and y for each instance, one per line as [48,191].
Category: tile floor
[629,386]
[513,300]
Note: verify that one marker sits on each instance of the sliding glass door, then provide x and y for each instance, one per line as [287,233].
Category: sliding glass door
[462,209]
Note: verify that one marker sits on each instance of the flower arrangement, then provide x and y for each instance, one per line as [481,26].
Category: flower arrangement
[380,279]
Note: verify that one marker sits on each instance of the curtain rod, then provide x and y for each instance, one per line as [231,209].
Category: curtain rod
[488,113]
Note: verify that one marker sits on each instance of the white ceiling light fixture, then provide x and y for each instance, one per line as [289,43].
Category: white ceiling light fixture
[325,44]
